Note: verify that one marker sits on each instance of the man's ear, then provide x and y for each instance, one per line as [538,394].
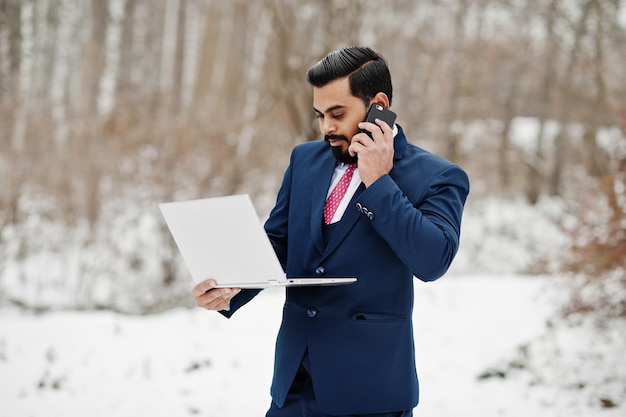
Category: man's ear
[382,99]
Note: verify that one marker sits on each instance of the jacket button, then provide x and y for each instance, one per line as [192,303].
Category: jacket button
[311,312]
[320,270]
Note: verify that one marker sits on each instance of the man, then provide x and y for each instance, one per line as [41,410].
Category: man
[348,350]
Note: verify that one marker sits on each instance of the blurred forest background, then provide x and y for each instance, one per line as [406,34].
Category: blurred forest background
[108,107]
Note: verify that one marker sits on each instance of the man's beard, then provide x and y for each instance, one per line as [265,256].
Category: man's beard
[339,154]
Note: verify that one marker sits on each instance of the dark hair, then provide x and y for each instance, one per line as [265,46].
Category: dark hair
[366,69]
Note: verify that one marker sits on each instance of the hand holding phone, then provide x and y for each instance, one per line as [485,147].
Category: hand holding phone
[376,111]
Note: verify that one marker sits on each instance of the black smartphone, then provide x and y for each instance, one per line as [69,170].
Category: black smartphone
[376,111]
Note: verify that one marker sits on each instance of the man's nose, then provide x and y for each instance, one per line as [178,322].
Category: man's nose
[328,127]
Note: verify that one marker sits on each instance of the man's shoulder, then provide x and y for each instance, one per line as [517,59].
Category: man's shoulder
[310,149]
[414,152]
[429,166]
[311,145]
[410,153]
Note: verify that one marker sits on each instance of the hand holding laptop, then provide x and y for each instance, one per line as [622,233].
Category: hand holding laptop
[222,238]
[211,298]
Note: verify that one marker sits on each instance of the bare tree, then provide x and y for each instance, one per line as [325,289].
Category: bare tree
[93,57]
[536,161]
[517,77]
[565,101]
[10,43]
[600,101]
[292,91]
[456,80]
[104,101]
[179,56]
[124,79]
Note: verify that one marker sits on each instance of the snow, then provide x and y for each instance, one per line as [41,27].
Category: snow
[194,362]
[490,338]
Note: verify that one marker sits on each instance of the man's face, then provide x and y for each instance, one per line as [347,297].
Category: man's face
[338,113]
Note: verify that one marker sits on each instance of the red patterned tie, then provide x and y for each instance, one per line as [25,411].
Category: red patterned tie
[333,200]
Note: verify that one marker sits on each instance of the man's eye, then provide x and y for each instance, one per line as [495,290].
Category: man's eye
[337,116]
[319,116]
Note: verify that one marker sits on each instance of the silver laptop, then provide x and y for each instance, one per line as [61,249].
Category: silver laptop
[222,238]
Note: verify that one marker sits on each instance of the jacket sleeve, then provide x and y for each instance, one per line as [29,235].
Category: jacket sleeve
[425,233]
[238,301]
[276,229]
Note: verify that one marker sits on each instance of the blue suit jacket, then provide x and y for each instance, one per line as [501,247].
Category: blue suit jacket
[359,337]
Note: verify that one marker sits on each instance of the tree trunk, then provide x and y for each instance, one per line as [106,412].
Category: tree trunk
[536,163]
[511,107]
[560,142]
[456,79]
[253,77]
[168,45]
[591,155]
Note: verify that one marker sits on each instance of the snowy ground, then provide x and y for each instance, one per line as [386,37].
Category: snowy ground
[489,339]
[483,349]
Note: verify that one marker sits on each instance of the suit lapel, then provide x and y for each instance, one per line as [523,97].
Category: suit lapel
[320,189]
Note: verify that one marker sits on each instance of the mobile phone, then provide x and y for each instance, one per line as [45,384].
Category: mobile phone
[376,111]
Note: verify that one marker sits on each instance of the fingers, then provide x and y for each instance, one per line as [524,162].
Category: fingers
[203,287]
[379,131]
[206,296]
[381,137]
[375,153]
